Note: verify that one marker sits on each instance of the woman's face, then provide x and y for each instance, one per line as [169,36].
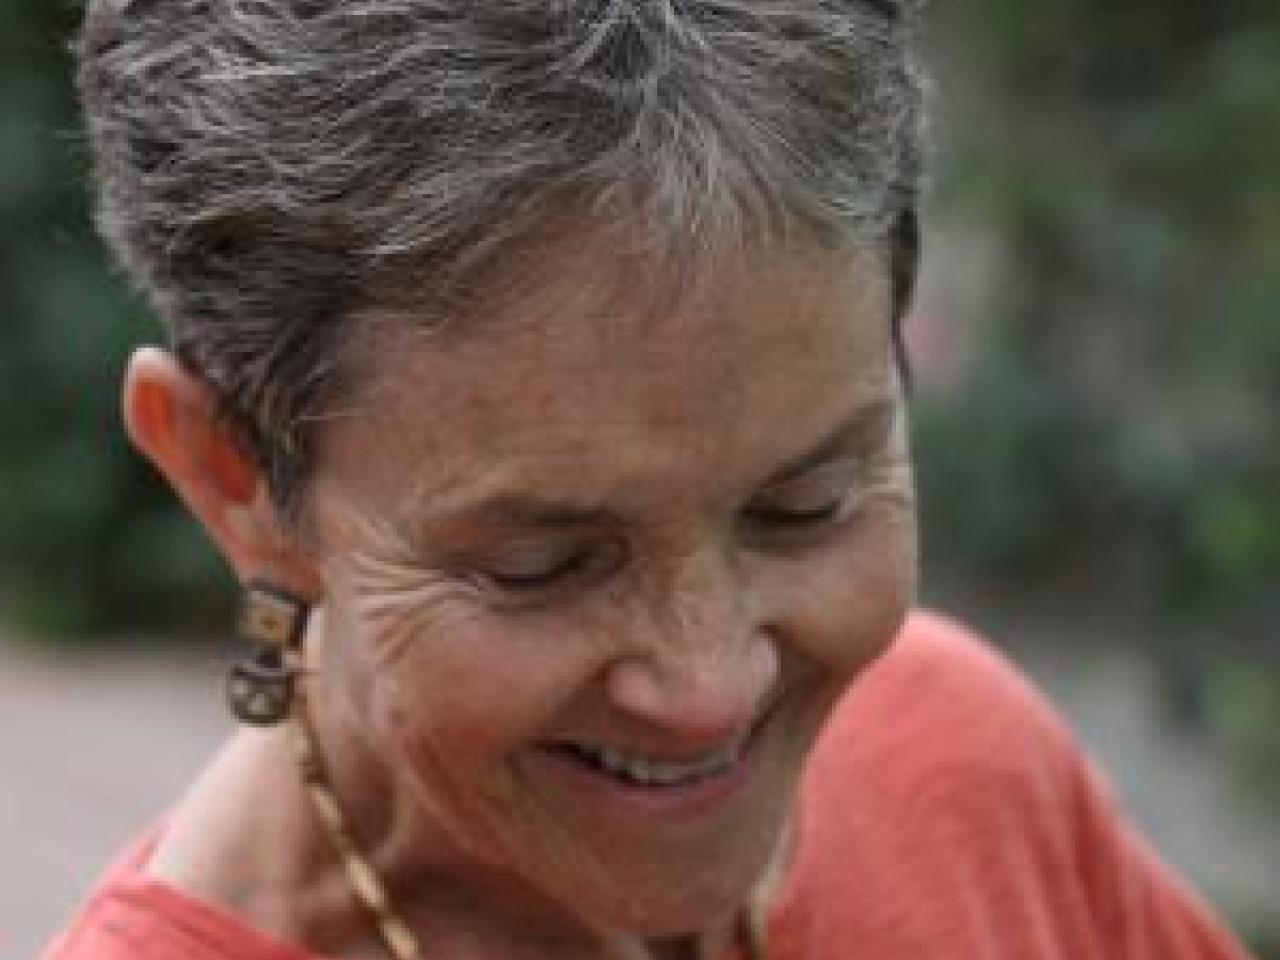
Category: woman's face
[594,580]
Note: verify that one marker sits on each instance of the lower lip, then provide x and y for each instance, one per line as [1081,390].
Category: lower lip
[680,799]
[696,797]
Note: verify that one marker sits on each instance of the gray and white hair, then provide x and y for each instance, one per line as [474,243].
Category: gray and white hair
[269,169]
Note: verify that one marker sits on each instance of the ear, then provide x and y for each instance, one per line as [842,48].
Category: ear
[172,418]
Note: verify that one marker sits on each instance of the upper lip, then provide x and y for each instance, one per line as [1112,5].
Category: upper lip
[677,753]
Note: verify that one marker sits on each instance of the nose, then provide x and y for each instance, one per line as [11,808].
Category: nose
[701,667]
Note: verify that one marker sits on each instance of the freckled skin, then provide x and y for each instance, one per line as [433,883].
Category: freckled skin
[435,693]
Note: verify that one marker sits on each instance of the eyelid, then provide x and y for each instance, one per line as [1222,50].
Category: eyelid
[521,560]
[824,482]
[540,568]
[867,433]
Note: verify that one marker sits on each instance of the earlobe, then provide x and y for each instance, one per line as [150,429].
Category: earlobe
[173,420]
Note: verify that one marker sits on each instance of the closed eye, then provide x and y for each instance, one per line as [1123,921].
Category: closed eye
[528,570]
[815,498]
[788,517]
[525,575]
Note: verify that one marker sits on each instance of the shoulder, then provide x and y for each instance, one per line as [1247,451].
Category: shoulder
[936,654]
[944,782]
[130,916]
[942,698]
[947,784]
[944,758]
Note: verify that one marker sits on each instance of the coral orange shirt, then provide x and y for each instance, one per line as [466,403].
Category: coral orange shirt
[946,814]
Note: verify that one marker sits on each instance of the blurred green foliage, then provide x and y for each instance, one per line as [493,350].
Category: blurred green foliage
[89,541]
[1115,441]
[1120,426]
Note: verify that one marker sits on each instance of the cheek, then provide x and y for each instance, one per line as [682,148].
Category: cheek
[850,601]
[463,690]
[450,715]
[445,693]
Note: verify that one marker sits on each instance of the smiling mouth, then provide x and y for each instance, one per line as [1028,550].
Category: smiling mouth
[638,770]
[647,772]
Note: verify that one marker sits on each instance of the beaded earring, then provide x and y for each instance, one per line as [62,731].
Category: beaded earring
[260,686]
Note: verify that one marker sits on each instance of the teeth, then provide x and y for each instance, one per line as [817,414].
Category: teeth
[658,772]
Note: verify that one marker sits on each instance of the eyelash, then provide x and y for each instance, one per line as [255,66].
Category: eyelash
[576,563]
[797,519]
[545,579]
[836,489]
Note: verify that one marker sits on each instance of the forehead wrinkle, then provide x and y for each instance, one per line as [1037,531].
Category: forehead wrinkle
[537,471]
[608,466]
[515,490]
[504,408]
[564,323]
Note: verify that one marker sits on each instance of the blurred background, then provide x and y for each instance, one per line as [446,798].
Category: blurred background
[1097,429]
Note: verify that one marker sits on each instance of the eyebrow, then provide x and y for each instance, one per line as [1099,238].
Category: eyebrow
[525,510]
[868,417]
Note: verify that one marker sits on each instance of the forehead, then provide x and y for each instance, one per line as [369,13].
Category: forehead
[570,386]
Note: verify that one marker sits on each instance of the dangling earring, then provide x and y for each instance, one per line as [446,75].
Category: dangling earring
[260,686]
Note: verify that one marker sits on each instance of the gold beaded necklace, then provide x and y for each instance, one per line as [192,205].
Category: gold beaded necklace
[367,886]
[364,880]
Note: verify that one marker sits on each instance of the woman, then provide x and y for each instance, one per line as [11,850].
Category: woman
[536,368]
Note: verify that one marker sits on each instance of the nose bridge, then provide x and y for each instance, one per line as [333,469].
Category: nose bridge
[705,602]
[699,657]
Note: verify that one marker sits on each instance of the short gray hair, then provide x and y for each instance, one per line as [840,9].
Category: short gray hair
[269,168]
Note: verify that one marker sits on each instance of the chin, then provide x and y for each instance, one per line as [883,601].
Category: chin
[681,906]
[677,890]
[682,861]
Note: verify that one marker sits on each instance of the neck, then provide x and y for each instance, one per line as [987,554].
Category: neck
[458,907]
